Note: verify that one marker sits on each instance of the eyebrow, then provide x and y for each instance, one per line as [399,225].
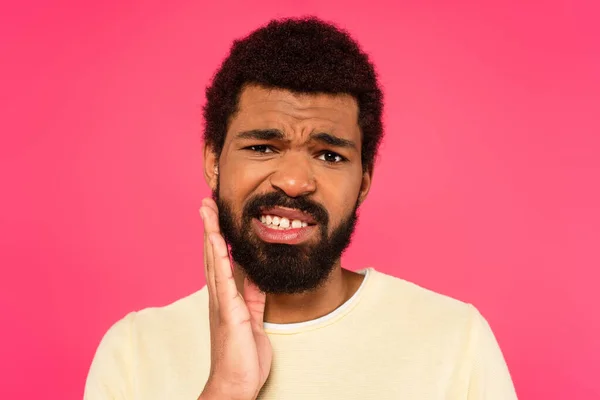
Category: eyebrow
[275,134]
[261,134]
[332,140]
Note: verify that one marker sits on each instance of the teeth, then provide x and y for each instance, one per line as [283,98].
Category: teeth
[276,222]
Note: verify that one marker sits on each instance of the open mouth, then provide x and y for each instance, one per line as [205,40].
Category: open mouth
[285,226]
[283,223]
[285,218]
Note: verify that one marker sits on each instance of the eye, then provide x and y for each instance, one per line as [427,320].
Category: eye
[260,148]
[331,157]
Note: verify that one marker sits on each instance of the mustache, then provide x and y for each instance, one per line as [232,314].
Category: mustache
[257,203]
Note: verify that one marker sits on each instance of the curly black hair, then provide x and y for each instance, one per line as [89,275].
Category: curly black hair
[303,55]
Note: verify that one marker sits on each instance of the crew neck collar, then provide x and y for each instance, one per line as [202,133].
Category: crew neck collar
[342,310]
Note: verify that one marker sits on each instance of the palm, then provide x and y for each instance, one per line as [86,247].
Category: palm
[241,352]
[248,348]
[265,355]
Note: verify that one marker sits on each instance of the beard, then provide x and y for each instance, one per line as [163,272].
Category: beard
[278,268]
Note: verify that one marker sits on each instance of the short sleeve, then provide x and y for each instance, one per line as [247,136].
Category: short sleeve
[109,376]
[489,376]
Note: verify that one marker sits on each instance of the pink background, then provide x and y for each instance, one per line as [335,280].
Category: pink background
[487,188]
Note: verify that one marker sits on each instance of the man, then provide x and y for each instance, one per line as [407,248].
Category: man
[293,123]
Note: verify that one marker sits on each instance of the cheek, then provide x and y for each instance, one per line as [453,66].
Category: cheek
[237,184]
[340,198]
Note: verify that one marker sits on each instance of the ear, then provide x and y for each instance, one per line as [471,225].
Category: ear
[211,167]
[367,178]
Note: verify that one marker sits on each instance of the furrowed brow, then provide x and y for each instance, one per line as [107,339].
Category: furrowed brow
[332,140]
[261,134]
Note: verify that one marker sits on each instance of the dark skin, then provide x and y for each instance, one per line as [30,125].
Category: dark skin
[303,145]
[298,165]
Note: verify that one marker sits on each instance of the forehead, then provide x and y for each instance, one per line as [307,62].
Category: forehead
[261,107]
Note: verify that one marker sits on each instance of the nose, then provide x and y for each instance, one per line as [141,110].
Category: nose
[294,175]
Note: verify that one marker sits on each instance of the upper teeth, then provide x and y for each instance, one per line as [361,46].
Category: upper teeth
[273,221]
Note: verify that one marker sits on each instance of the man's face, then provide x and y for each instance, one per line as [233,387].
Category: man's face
[289,182]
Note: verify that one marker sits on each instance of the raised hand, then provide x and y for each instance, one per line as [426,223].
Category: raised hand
[241,353]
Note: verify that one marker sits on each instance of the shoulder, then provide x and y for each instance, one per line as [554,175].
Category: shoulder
[404,302]
[399,291]
[143,341]
[445,330]
[178,313]
[160,328]
[184,318]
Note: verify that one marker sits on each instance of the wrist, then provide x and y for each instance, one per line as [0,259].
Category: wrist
[214,391]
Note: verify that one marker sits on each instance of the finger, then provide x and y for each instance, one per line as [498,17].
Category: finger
[209,271]
[208,202]
[228,296]
[211,225]
[212,214]
[255,301]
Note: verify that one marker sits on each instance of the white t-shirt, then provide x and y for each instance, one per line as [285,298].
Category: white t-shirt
[391,340]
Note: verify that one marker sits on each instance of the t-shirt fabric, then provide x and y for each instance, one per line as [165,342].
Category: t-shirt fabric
[391,340]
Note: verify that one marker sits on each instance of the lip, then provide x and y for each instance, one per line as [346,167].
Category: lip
[289,236]
[289,213]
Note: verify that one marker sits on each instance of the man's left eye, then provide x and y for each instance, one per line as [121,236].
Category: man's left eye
[331,157]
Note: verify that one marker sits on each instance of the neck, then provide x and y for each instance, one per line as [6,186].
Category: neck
[340,285]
